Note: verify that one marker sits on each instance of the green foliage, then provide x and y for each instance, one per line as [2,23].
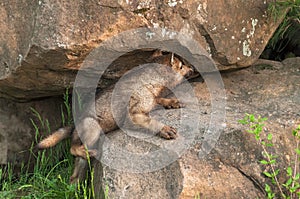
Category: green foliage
[256,125]
[289,28]
[67,105]
[278,8]
[291,188]
[106,190]
[50,176]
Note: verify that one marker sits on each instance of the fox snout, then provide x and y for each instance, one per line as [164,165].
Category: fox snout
[189,73]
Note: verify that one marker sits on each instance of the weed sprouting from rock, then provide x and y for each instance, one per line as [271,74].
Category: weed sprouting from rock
[290,189]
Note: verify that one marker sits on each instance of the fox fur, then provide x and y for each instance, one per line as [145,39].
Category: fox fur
[140,105]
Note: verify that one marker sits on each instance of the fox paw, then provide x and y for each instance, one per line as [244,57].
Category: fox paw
[174,103]
[74,179]
[83,152]
[168,132]
[88,152]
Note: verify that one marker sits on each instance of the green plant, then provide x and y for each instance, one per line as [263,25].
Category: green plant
[288,30]
[106,190]
[49,176]
[289,189]
[66,120]
[278,8]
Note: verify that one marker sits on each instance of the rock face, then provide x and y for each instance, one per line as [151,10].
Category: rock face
[232,168]
[43,43]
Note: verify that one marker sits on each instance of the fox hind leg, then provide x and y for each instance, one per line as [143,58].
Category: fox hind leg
[85,138]
[80,169]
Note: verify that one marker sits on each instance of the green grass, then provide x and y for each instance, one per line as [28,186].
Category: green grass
[288,30]
[49,177]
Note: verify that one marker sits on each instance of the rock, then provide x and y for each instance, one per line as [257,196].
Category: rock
[167,184]
[231,169]
[43,43]
[17,132]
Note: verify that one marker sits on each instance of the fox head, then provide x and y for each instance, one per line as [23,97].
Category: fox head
[174,62]
[178,67]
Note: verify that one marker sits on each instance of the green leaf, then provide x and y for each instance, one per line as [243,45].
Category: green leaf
[268,174]
[271,195]
[264,119]
[267,188]
[288,182]
[293,189]
[297,151]
[269,144]
[243,122]
[251,117]
[264,162]
[269,192]
[289,171]
[257,130]
[297,186]
[25,186]
[295,133]
[250,131]
[270,136]
[257,137]
[297,176]
[272,161]
[273,156]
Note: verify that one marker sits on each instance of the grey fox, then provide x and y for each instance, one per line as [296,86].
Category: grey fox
[172,72]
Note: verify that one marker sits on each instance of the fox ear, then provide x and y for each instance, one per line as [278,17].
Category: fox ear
[157,53]
[172,58]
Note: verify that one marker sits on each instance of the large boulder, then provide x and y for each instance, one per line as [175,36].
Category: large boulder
[43,43]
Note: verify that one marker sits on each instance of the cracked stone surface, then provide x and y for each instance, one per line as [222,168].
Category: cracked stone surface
[43,43]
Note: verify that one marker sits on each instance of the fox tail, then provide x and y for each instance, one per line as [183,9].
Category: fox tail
[55,137]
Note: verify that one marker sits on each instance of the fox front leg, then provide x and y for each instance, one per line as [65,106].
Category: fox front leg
[162,130]
[169,103]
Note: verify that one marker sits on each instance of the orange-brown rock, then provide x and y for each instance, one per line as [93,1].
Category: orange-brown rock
[43,43]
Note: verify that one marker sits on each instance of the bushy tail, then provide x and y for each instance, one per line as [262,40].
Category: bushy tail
[55,137]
